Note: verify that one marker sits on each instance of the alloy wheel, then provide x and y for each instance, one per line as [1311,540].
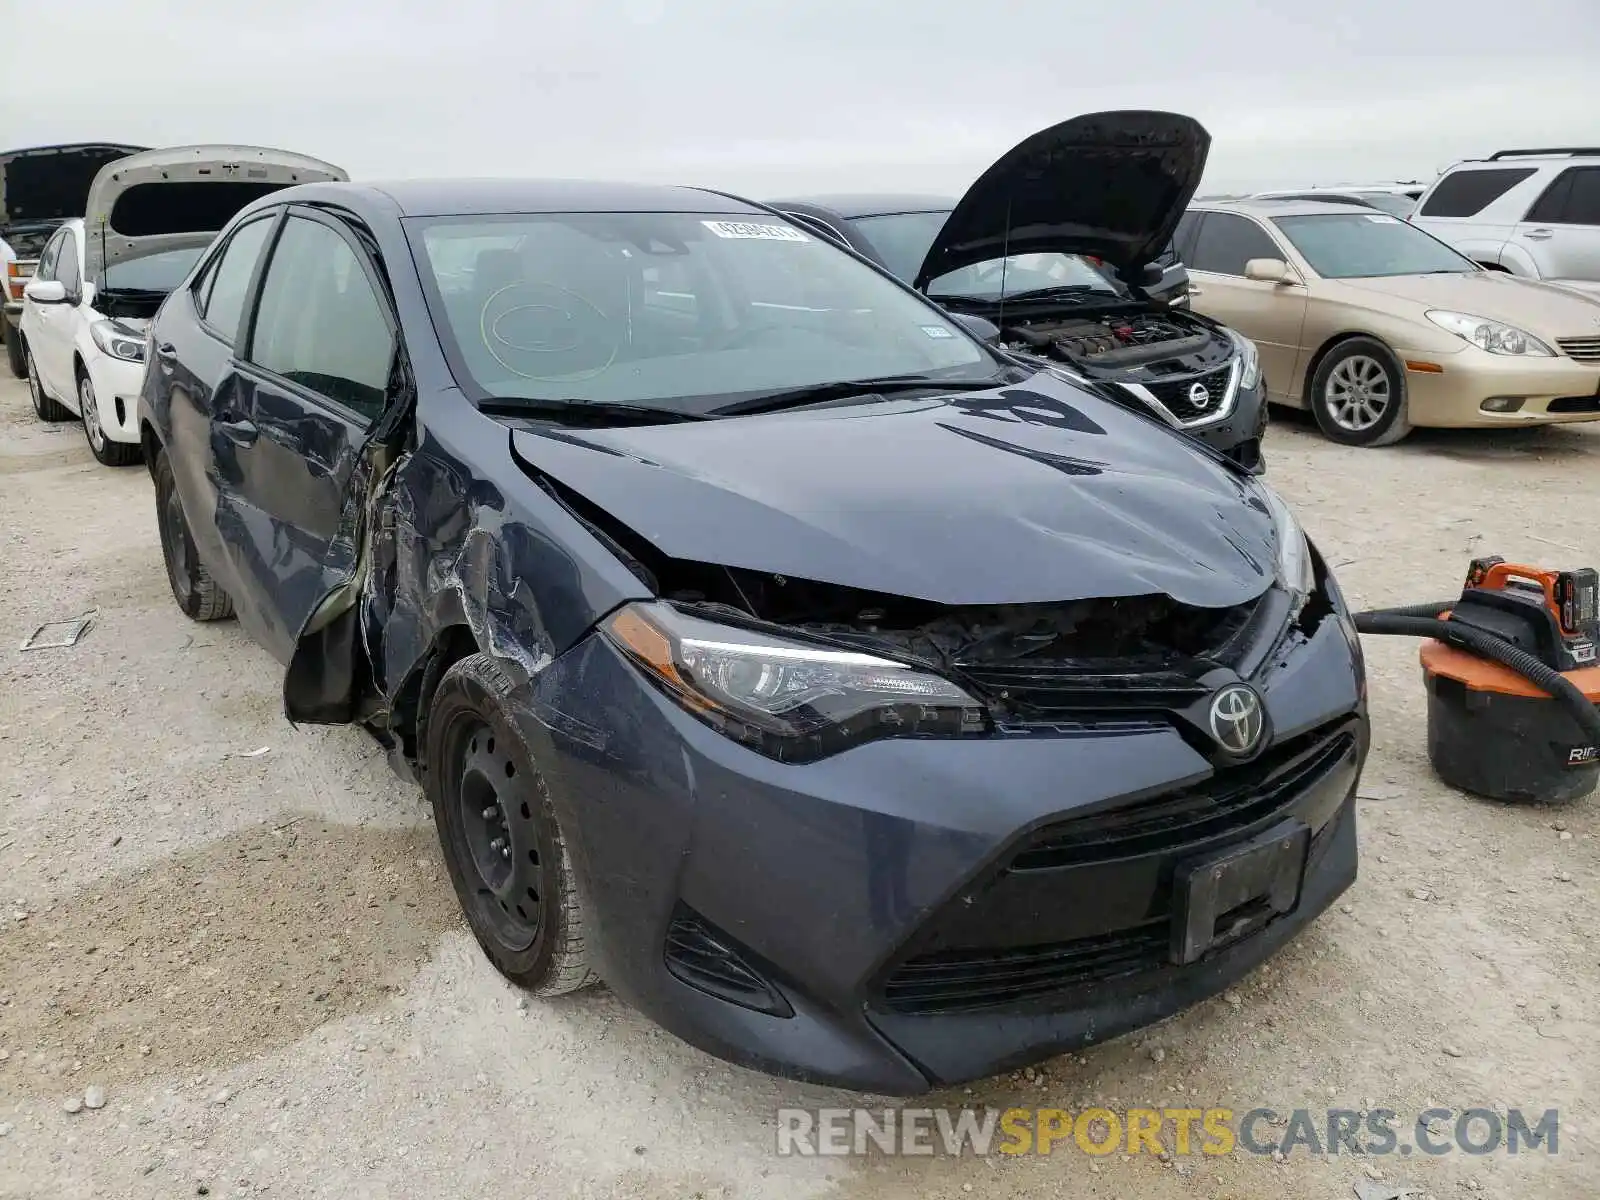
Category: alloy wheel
[1357,393]
[89,409]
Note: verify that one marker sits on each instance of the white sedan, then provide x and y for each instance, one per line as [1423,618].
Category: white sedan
[81,359]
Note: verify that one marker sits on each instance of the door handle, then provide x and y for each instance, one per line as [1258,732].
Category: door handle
[242,431]
[1538,235]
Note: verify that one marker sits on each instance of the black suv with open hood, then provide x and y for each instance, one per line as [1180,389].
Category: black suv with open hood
[1012,251]
[41,188]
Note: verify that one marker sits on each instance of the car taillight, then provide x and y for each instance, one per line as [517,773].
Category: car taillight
[17,274]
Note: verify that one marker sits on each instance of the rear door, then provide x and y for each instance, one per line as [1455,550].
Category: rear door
[1561,232]
[1269,314]
[321,344]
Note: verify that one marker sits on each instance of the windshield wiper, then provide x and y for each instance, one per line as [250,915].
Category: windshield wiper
[585,412]
[1060,291]
[847,389]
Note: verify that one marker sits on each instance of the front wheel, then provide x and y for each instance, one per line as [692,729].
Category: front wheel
[199,596]
[498,830]
[1358,395]
[105,451]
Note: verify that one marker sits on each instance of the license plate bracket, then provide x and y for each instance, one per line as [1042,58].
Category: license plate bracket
[1228,895]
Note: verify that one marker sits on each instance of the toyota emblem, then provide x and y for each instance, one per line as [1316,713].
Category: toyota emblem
[1199,395]
[1236,719]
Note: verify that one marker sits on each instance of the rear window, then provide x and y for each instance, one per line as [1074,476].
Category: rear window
[150,209]
[1468,193]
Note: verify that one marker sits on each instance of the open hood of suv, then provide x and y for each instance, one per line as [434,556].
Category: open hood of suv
[51,183]
[1110,184]
[179,197]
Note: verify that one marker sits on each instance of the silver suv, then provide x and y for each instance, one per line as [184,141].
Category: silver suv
[1534,213]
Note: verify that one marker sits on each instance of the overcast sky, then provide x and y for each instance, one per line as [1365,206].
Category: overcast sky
[766,97]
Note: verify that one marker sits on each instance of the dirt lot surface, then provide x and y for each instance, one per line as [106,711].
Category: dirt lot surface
[252,965]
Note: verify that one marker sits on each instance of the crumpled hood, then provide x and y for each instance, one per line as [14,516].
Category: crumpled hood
[1111,184]
[1032,493]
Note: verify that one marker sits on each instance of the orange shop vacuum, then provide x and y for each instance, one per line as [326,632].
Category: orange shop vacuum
[1512,681]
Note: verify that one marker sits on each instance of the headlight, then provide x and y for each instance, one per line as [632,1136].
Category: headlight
[117,342]
[1249,361]
[1295,571]
[1492,336]
[789,699]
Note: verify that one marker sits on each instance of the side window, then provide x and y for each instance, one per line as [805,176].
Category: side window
[221,299]
[320,324]
[1573,198]
[1183,240]
[66,265]
[46,268]
[1227,242]
[1468,193]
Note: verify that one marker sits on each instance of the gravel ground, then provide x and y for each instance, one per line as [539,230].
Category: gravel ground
[231,945]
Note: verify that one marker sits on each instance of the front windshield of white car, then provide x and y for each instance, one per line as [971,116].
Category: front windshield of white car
[1367,245]
[675,311]
[159,272]
[902,241]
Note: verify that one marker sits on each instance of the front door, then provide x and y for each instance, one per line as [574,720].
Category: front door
[286,440]
[1271,315]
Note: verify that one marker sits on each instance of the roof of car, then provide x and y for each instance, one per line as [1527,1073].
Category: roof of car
[870,204]
[1268,207]
[482,197]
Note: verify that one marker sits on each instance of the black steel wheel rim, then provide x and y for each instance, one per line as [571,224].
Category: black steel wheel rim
[175,535]
[499,834]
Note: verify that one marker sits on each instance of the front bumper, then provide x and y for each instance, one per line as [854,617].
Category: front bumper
[1239,434]
[116,391]
[836,883]
[1450,390]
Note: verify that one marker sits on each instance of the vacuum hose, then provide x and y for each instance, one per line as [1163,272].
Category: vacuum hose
[1423,620]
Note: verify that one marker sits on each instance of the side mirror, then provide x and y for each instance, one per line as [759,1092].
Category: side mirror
[46,291]
[1269,270]
[986,332]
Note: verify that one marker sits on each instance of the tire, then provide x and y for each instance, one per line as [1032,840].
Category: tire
[45,407]
[14,359]
[1358,395]
[198,596]
[105,451]
[519,893]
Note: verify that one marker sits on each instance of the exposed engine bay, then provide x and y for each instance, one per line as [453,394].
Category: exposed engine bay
[1117,342]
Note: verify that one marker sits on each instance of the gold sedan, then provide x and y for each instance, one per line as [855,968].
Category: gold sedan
[1377,327]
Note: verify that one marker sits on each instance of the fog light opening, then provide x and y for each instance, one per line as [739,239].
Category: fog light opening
[1503,404]
[122,411]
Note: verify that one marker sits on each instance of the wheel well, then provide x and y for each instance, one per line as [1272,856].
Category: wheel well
[78,368]
[1327,348]
[150,443]
[408,717]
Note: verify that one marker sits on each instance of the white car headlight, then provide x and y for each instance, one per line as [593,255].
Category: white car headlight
[1249,361]
[117,341]
[789,699]
[1493,336]
[1296,573]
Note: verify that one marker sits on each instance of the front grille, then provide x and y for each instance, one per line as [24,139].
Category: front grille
[705,959]
[1231,799]
[1050,689]
[1581,349]
[1043,882]
[1574,404]
[1175,394]
[960,981]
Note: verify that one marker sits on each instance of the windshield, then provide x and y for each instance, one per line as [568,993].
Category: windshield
[153,272]
[676,311]
[1358,245]
[902,240]
[1391,202]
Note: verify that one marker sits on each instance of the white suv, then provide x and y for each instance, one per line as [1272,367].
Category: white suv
[1534,213]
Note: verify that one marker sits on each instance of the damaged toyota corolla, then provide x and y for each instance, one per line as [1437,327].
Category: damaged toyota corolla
[862,706]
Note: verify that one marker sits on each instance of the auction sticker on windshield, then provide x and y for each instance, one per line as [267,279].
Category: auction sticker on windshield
[749,229]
